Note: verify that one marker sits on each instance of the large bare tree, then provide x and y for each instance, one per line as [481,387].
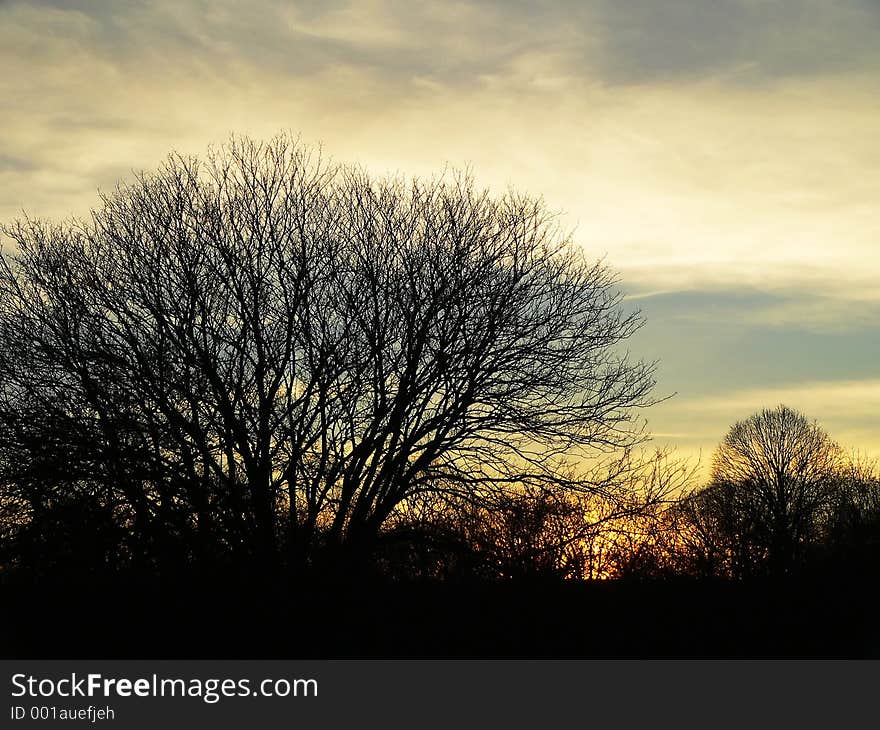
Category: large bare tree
[265,351]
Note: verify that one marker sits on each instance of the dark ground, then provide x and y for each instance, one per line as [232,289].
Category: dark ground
[241,618]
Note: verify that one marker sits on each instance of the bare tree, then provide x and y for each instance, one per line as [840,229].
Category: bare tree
[852,530]
[773,480]
[268,350]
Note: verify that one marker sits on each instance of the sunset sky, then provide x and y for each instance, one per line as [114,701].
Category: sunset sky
[723,156]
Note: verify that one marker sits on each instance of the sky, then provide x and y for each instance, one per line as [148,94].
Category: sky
[722,157]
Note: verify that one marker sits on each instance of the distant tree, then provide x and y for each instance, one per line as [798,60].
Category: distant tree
[852,530]
[266,353]
[773,480]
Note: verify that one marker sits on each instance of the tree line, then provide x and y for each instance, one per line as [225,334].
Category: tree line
[782,500]
[266,358]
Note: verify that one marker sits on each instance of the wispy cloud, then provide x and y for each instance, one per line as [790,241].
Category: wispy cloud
[749,42]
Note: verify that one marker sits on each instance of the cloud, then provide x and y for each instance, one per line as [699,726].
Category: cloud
[456,43]
[11,163]
[448,42]
[813,303]
[684,179]
[743,40]
[710,342]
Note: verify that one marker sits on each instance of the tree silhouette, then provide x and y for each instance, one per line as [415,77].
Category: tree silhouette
[773,480]
[264,354]
[852,530]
